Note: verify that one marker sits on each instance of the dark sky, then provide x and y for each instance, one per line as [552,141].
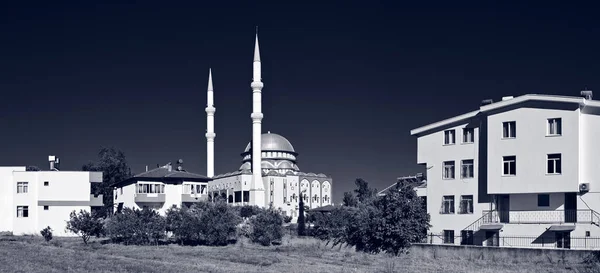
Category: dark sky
[345,81]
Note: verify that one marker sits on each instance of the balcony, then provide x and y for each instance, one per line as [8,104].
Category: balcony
[193,197]
[96,201]
[149,198]
[584,216]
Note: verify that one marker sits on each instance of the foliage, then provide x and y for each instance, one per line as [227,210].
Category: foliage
[301,220]
[266,227]
[247,211]
[114,168]
[138,227]
[364,193]
[85,225]
[32,169]
[204,223]
[349,200]
[287,219]
[47,233]
[387,223]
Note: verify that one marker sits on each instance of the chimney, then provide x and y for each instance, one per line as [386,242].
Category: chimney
[486,102]
[169,167]
[587,94]
[146,167]
[51,159]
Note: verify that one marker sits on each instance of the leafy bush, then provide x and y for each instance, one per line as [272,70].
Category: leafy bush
[47,233]
[387,223]
[85,225]
[139,227]
[266,227]
[204,223]
[287,219]
[249,211]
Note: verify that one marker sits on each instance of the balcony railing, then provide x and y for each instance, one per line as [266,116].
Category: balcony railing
[194,197]
[541,216]
[150,197]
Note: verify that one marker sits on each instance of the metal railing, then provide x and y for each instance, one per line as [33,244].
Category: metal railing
[542,216]
[516,241]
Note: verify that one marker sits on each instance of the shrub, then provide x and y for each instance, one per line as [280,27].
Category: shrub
[389,223]
[204,223]
[47,233]
[217,223]
[287,219]
[85,225]
[249,211]
[266,227]
[139,227]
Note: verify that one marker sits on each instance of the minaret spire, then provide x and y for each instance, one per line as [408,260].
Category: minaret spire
[257,189]
[210,128]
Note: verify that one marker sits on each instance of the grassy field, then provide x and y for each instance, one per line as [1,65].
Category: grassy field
[32,254]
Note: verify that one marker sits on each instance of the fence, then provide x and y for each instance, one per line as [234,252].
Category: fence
[564,242]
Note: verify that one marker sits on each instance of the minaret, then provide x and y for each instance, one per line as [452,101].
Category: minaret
[210,128]
[257,190]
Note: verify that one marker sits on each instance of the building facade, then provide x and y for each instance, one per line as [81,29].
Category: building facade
[161,189]
[282,180]
[524,168]
[33,200]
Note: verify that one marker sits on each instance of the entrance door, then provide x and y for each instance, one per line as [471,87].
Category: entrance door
[563,240]
[504,208]
[492,238]
[570,207]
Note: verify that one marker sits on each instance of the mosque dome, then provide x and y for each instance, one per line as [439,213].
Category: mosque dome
[277,154]
[273,142]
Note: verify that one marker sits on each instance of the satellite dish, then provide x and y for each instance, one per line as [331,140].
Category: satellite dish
[180,161]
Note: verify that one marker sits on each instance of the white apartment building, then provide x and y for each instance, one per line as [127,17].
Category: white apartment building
[160,189]
[33,200]
[520,172]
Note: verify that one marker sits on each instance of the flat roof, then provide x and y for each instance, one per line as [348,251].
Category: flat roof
[505,103]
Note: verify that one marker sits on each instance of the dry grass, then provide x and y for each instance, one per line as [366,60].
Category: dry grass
[32,254]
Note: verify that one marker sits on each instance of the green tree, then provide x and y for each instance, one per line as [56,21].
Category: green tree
[301,219]
[113,165]
[364,193]
[266,227]
[349,200]
[85,224]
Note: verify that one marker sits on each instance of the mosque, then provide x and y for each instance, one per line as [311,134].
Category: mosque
[269,176]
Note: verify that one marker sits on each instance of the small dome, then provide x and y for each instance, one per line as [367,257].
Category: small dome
[273,142]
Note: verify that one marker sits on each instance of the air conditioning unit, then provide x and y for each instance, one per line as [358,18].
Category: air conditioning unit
[584,187]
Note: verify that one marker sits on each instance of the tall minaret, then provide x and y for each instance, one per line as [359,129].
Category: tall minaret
[210,128]
[257,190]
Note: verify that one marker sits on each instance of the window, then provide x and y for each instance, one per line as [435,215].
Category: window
[121,190]
[448,236]
[449,137]
[509,129]
[468,135]
[447,205]
[466,204]
[22,211]
[543,200]
[554,127]
[46,183]
[448,170]
[509,165]
[466,168]
[46,207]
[22,187]
[151,188]
[553,166]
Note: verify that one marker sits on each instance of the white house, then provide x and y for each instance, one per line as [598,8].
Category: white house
[33,200]
[160,189]
[520,172]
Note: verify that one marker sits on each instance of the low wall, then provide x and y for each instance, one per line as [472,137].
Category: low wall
[512,255]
